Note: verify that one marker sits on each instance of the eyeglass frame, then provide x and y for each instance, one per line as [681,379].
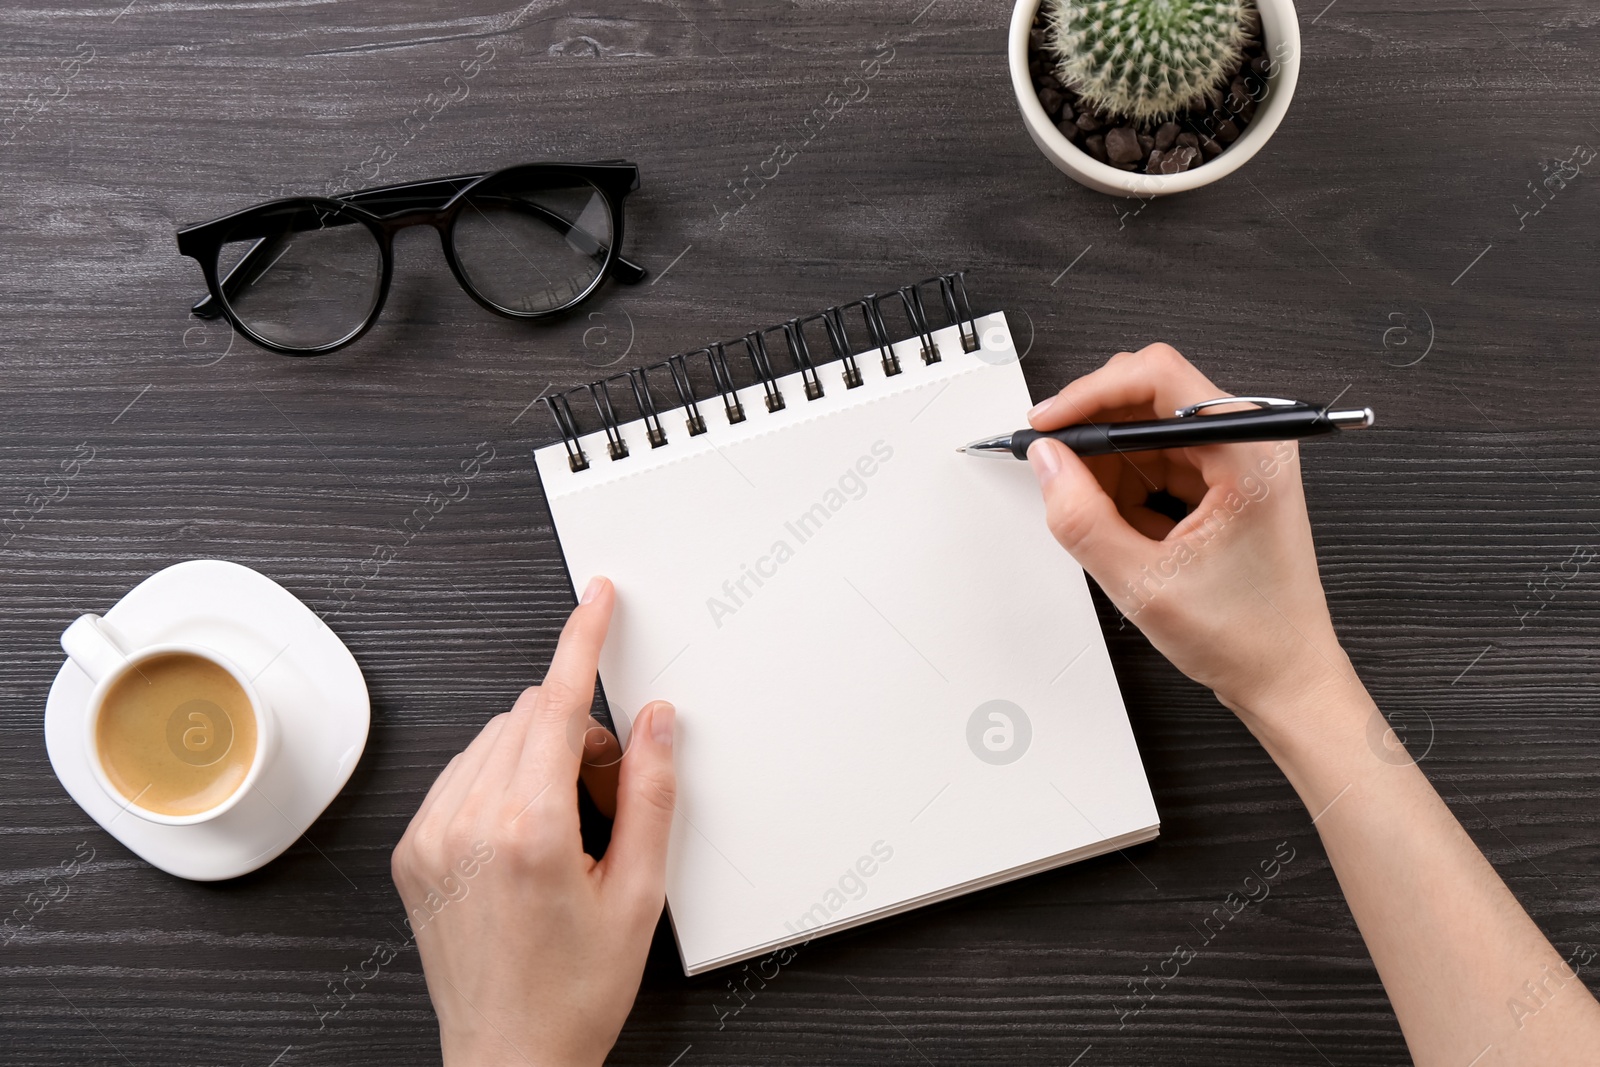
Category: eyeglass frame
[203,242]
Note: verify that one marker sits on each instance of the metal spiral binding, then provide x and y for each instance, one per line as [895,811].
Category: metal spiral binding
[562,410]
[835,322]
[755,343]
[836,341]
[654,432]
[724,378]
[678,367]
[877,333]
[800,354]
[615,445]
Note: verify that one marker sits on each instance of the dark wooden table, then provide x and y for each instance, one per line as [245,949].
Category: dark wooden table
[1374,246]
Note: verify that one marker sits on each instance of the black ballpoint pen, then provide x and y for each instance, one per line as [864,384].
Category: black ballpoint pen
[1273,420]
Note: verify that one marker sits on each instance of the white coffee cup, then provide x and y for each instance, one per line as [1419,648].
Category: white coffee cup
[106,657]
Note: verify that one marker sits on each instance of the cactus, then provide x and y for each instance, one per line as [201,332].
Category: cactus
[1147,60]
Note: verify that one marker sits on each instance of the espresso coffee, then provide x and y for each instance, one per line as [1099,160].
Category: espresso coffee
[176,735]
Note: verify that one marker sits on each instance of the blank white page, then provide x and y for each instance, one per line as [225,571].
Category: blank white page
[830,594]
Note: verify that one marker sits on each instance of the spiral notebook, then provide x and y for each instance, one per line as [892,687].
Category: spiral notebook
[891,684]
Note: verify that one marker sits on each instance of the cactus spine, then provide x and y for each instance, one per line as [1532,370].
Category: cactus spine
[1147,60]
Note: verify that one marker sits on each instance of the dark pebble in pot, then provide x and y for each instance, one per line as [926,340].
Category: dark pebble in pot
[1088,123]
[1153,164]
[1191,140]
[1211,148]
[1179,160]
[1122,145]
[1227,133]
[1095,145]
[1166,136]
[1050,100]
[1146,144]
[1069,130]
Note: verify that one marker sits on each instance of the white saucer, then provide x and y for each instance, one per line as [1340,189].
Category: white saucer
[301,669]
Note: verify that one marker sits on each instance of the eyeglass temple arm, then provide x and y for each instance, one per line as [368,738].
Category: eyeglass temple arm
[415,196]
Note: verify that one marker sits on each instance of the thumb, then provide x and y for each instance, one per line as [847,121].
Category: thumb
[637,857]
[1083,518]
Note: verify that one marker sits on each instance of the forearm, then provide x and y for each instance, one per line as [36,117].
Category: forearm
[1471,977]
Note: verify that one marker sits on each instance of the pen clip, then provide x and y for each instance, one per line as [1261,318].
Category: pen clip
[1258,401]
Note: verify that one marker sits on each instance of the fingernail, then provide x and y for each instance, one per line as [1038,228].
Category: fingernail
[1044,461]
[1040,408]
[662,716]
[592,590]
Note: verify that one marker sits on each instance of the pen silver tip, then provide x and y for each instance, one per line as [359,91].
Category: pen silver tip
[989,446]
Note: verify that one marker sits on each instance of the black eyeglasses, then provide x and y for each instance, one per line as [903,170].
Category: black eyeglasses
[310,274]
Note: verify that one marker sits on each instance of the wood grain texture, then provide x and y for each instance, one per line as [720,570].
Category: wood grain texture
[1375,227]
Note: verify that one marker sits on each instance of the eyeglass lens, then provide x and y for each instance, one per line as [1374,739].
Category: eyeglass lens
[529,244]
[310,276]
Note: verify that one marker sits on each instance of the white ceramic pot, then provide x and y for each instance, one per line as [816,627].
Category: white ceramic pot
[1280,28]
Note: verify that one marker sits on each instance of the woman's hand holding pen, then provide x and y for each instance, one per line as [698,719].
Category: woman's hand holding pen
[1231,595]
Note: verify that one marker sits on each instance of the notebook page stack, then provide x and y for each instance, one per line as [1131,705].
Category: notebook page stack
[892,688]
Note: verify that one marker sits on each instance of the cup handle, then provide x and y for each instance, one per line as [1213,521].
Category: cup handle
[89,644]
